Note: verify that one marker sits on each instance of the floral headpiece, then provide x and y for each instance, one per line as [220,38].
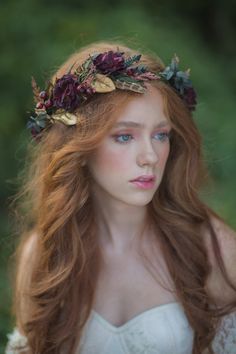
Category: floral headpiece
[100,73]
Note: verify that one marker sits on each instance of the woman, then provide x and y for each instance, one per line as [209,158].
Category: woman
[118,253]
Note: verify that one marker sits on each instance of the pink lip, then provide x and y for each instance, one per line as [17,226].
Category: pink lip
[144,181]
[144,184]
[144,178]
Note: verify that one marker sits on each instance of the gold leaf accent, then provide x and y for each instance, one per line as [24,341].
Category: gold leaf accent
[103,84]
[66,118]
[131,86]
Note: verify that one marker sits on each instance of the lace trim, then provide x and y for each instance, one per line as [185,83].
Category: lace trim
[17,343]
[225,338]
[223,343]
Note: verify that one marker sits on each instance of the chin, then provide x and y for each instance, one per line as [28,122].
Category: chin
[139,201]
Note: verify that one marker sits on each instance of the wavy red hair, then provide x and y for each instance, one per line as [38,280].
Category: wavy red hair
[56,208]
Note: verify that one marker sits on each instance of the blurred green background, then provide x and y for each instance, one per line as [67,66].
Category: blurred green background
[37,36]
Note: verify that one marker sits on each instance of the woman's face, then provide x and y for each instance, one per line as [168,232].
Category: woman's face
[137,145]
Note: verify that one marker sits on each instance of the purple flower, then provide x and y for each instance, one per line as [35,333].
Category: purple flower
[65,94]
[108,62]
[190,97]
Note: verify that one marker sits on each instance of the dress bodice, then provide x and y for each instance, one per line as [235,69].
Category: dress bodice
[160,330]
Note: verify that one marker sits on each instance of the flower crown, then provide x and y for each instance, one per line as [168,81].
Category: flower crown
[101,73]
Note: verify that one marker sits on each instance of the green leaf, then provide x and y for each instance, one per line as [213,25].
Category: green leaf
[132,60]
[126,78]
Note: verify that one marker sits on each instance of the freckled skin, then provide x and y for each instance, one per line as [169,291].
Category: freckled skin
[114,164]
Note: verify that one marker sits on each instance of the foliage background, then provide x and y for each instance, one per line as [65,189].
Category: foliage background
[37,36]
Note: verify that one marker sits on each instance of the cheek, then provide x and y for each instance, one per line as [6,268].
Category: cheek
[108,160]
[163,156]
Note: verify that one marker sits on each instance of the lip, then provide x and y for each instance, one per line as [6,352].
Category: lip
[144,178]
[144,181]
[144,184]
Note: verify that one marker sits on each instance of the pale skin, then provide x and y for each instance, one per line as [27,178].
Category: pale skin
[126,286]
[130,150]
[138,144]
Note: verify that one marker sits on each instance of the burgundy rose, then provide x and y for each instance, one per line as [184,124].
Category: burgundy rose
[190,98]
[65,94]
[108,62]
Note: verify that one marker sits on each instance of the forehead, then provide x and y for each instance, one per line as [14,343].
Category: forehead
[143,110]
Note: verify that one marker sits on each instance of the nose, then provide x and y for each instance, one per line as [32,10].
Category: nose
[147,155]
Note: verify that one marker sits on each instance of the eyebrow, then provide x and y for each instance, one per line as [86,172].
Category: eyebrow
[139,125]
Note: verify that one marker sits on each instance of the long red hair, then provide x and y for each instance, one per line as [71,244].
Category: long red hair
[56,207]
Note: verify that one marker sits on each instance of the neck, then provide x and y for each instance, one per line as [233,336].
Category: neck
[120,226]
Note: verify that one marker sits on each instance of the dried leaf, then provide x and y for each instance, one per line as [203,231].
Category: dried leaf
[36,90]
[66,118]
[131,86]
[188,71]
[133,59]
[102,84]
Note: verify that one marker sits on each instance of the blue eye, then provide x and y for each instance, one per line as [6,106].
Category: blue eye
[163,136]
[124,138]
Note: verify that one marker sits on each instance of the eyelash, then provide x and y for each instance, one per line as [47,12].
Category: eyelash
[166,136]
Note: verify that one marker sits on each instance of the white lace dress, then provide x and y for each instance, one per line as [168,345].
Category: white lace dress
[161,330]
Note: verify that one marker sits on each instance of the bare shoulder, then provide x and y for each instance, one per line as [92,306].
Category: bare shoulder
[226,237]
